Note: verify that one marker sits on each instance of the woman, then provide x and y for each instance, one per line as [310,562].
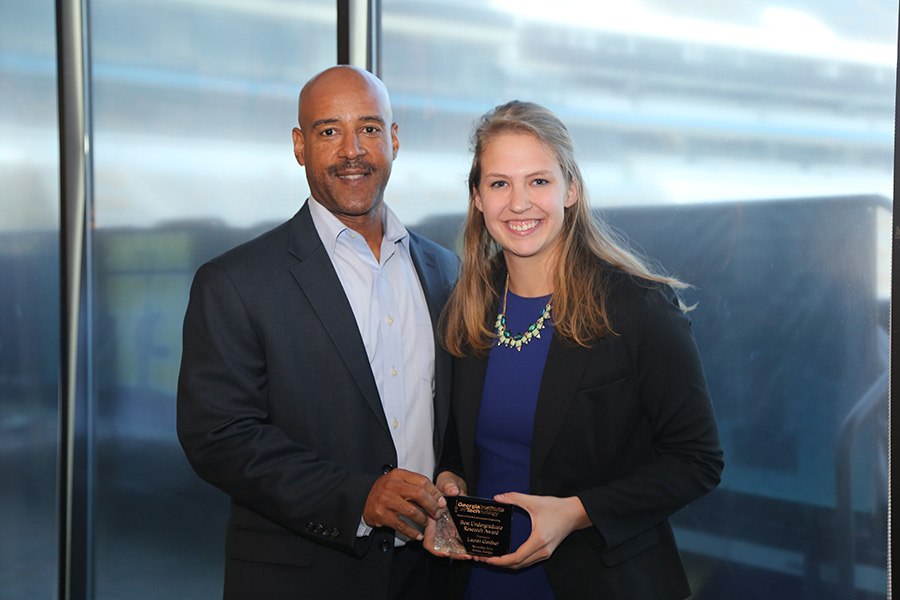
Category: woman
[578,391]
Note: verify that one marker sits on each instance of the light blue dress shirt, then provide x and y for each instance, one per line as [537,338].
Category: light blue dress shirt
[392,315]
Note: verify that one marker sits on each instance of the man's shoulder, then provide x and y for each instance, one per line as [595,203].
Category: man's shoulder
[263,248]
[445,256]
[251,267]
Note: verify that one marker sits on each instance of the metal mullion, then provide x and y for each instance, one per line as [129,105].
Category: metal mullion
[343,32]
[75,183]
[373,46]
[358,35]
[893,417]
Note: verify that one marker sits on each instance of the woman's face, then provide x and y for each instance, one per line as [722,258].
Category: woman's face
[523,195]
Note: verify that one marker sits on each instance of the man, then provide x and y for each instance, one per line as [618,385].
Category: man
[312,389]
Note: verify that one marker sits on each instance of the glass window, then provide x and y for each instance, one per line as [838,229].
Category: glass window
[194,102]
[749,150]
[29,299]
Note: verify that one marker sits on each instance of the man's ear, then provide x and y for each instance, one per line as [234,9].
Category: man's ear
[395,141]
[298,145]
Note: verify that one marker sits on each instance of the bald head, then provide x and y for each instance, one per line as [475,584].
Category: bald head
[347,142]
[345,80]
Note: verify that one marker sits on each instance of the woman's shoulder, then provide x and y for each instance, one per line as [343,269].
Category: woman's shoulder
[617,281]
[628,295]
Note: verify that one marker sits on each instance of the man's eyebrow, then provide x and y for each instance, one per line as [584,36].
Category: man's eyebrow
[325,122]
[333,120]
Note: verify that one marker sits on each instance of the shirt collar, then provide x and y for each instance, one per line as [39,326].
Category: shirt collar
[394,231]
[329,227]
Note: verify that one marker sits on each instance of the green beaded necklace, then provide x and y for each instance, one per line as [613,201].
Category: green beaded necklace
[517,340]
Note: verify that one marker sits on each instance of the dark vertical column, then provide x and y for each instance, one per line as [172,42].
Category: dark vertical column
[343,32]
[75,179]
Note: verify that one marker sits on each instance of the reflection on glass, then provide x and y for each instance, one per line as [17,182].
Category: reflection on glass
[29,300]
[749,149]
[668,102]
[194,102]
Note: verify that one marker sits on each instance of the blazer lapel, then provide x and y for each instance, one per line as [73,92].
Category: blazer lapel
[562,371]
[319,281]
[468,382]
[565,363]
[430,277]
[435,292]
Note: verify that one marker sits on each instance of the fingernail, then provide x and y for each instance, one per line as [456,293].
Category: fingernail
[441,502]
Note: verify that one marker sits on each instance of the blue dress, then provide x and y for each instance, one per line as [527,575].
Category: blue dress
[503,438]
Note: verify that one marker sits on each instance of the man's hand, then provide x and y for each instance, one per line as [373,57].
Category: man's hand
[402,493]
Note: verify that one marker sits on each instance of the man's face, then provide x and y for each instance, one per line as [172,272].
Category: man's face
[347,143]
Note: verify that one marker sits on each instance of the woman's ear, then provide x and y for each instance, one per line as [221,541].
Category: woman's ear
[476,199]
[571,195]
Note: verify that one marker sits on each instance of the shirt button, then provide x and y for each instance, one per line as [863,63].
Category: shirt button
[393,372]
[396,424]
[384,545]
[390,320]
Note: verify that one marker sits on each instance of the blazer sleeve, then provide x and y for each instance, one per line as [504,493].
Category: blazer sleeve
[225,426]
[686,459]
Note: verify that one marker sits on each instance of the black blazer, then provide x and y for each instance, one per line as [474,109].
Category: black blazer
[628,427]
[278,407]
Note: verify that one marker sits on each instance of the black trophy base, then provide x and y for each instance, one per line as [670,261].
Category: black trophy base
[483,525]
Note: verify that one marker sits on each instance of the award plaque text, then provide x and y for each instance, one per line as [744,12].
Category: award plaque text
[483,525]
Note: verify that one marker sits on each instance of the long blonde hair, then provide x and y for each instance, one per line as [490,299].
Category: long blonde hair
[579,294]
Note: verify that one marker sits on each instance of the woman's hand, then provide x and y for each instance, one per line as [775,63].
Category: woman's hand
[552,520]
[450,484]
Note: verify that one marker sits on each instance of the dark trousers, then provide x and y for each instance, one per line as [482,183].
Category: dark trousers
[410,574]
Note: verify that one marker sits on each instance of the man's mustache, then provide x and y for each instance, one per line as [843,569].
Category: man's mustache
[352,165]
